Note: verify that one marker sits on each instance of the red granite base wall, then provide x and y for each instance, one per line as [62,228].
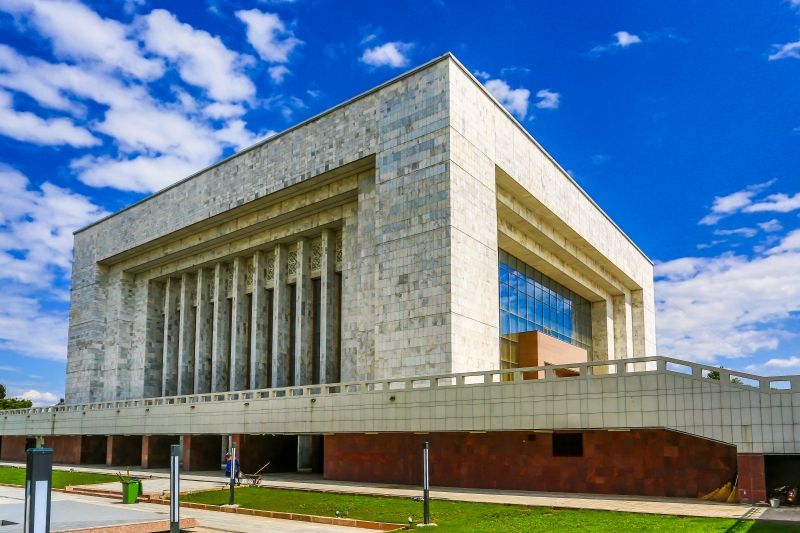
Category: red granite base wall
[752,477]
[638,462]
[66,448]
[13,448]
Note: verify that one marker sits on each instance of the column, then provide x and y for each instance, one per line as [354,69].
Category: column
[752,477]
[221,330]
[304,337]
[644,324]
[259,353]
[203,331]
[186,337]
[602,330]
[304,306]
[280,320]
[329,312]
[145,451]
[169,363]
[239,363]
[154,340]
[623,327]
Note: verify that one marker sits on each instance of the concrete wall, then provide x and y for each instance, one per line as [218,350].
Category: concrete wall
[603,396]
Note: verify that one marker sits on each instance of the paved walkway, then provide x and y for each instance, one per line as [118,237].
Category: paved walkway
[70,511]
[156,481]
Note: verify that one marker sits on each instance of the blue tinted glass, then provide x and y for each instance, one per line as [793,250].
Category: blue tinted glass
[531,301]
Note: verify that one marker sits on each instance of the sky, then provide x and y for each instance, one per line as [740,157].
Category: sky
[681,119]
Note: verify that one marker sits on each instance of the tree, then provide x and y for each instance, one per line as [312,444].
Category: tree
[2,391]
[714,374]
[14,403]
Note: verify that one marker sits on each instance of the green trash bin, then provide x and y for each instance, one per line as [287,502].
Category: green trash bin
[130,491]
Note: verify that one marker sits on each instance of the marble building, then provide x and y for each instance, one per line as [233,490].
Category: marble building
[415,229]
[409,265]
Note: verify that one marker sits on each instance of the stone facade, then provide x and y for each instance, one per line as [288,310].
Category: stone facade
[396,203]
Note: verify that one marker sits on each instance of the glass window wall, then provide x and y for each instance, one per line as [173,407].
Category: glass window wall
[530,301]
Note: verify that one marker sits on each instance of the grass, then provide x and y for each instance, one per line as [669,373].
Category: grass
[12,475]
[465,516]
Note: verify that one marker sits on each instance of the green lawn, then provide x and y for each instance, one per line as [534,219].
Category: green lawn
[463,516]
[61,478]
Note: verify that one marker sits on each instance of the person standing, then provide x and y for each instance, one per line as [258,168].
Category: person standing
[229,467]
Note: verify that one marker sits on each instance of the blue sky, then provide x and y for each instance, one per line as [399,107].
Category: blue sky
[682,119]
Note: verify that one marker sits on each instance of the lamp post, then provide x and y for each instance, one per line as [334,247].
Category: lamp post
[174,489]
[426,486]
[233,472]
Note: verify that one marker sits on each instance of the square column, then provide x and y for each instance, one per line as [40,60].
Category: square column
[169,362]
[304,327]
[329,309]
[259,343]
[623,327]
[239,319]
[602,330]
[154,340]
[752,477]
[644,324]
[220,346]
[204,331]
[186,338]
[280,320]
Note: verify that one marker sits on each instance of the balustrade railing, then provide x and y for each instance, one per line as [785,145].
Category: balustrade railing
[586,370]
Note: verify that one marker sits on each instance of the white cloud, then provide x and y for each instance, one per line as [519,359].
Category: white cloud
[777,203]
[625,39]
[147,132]
[515,100]
[789,362]
[744,232]
[482,74]
[77,32]
[237,135]
[743,201]
[267,33]
[391,54]
[548,99]
[726,306]
[28,329]
[770,226]
[788,50]
[141,173]
[620,39]
[278,73]
[39,398]
[789,243]
[219,110]
[36,227]
[202,59]
[27,127]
